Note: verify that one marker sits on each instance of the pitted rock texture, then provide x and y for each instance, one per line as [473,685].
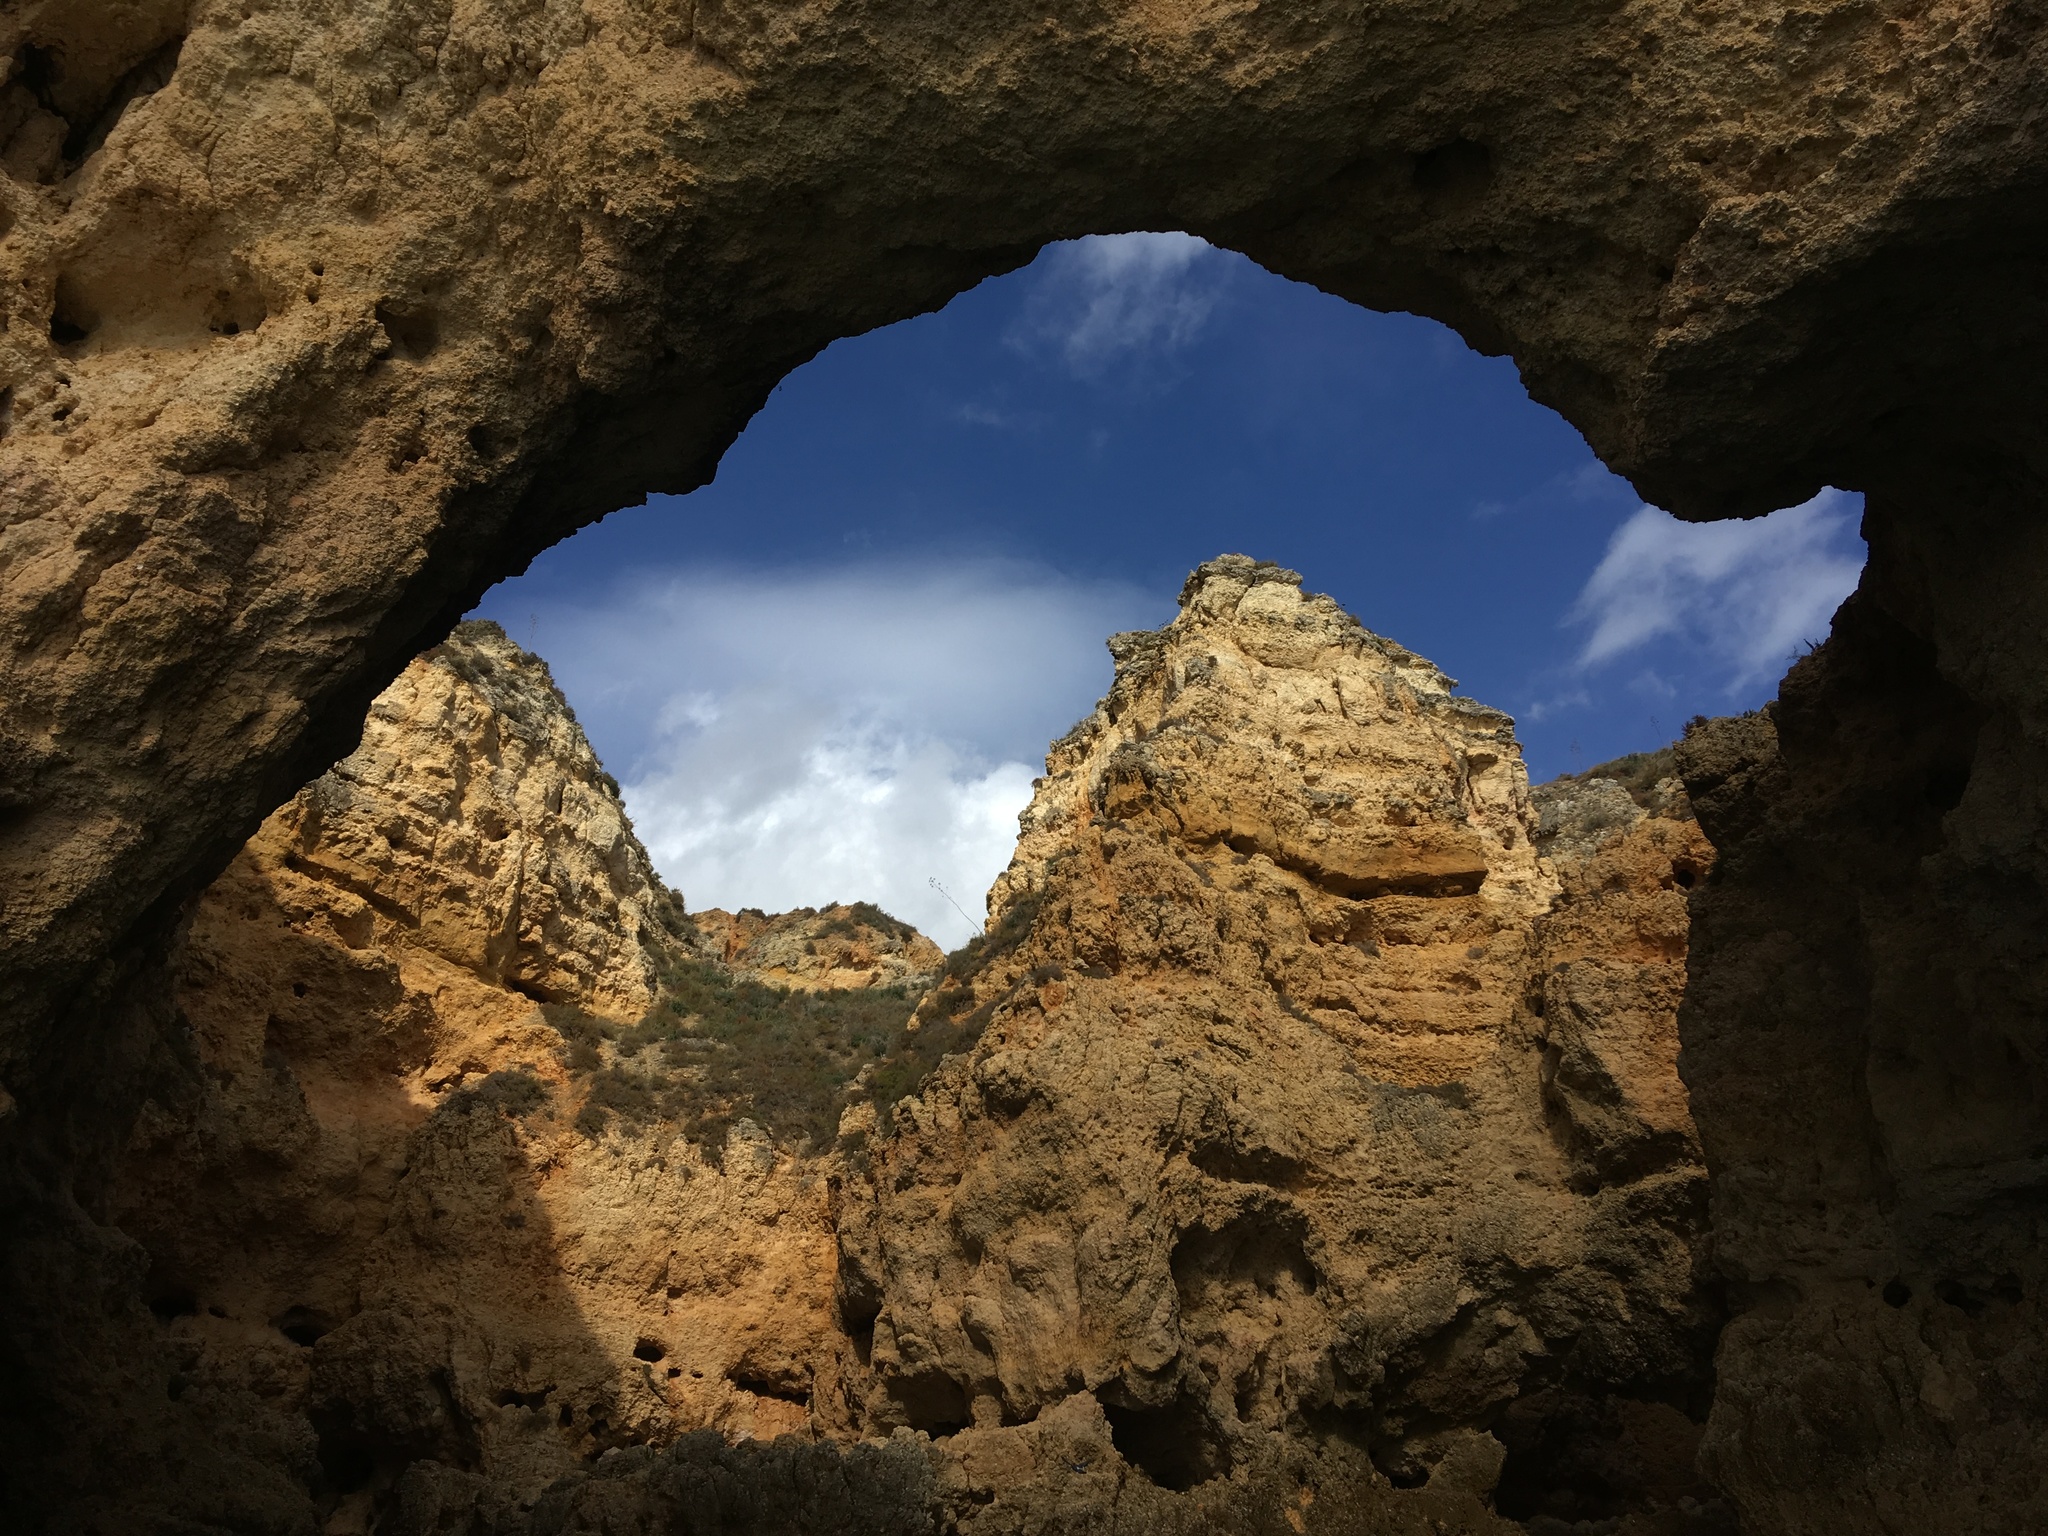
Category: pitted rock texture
[398,1285]
[318,320]
[373,1226]
[1309,1100]
[1865,1049]
[830,949]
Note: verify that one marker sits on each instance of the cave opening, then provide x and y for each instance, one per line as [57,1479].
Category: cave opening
[832,671]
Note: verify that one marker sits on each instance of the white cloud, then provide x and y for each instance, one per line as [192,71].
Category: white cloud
[1746,594]
[793,738]
[1107,297]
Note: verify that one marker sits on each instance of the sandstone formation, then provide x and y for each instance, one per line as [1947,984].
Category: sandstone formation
[1310,1099]
[372,1216]
[1311,1155]
[317,319]
[1863,1042]
[839,947]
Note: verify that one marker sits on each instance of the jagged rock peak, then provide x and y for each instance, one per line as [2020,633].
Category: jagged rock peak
[1294,1086]
[1371,773]
[475,815]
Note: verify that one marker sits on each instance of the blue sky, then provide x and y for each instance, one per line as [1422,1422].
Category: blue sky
[832,672]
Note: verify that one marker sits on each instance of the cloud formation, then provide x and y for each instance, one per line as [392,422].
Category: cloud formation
[790,738]
[1108,297]
[1744,594]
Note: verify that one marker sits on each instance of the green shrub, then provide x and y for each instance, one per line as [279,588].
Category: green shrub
[514,1092]
[1638,772]
[716,1047]
[866,913]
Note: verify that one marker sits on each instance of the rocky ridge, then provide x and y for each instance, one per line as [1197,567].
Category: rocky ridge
[1307,1097]
[1304,1136]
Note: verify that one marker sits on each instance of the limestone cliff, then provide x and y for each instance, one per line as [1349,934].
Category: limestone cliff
[1304,1143]
[315,319]
[842,946]
[388,1206]
[1306,1096]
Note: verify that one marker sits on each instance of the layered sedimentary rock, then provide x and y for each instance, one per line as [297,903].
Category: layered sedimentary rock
[1311,1154]
[317,319]
[375,1226]
[1310,1100]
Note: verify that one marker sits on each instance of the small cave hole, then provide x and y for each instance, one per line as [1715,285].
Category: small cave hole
[931,1401]
[303,1326]
[1897,1293]
[791,1392]
[415,330]
[1960,1296]
[298,989]
[650,1350]
[170,1302]
[1683,877]
[566,1417]
[1944,785]
[513,1399]
[481,441]
[1175,1446]
[674,1371]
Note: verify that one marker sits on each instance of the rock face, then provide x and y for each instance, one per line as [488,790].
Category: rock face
[839,947]
[373,1223]
[1309,1100]
[1313,1155]
[1863,1040]
[318,321]
[314,320]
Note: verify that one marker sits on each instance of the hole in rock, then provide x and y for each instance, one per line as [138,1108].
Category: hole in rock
[785,1390]
[1175,1445]
[414,329]
[649,1350]
[304,1326]
[931,1401]
[1583,1456]
[895,591]
[169,1302]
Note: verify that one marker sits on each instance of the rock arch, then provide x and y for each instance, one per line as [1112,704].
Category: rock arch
[318,320]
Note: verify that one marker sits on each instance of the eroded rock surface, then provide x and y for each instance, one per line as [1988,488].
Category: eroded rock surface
[1309,1099]
[828,950]
[1864,1045]
[375,1226]
[1312,1158]
[318,320]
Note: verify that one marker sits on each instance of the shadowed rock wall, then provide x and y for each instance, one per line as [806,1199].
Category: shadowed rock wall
[318,319]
